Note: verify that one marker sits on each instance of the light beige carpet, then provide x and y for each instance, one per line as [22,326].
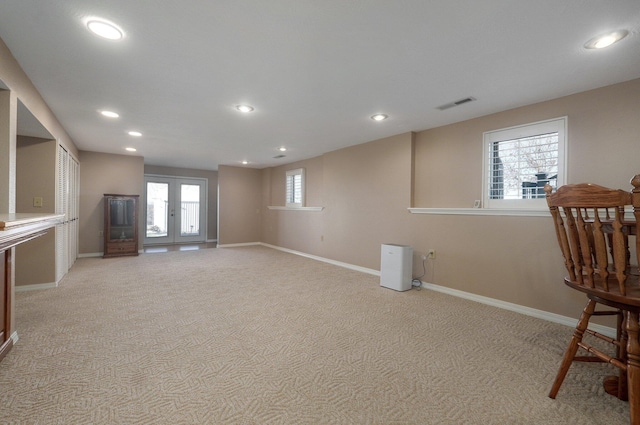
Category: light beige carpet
[257,336]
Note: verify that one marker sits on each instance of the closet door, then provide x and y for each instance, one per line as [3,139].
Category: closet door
[62,242]
[73,208]
[67,200]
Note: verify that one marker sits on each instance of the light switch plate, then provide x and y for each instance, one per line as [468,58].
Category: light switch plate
[37,201]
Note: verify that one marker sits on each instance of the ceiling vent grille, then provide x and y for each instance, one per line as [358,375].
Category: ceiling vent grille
[456,103]
[279,156]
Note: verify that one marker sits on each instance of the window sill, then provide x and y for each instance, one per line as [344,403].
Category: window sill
[295,208]
[481,211]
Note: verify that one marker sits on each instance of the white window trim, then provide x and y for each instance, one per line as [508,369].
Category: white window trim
[520,212]
[297,171]
[552,125]
[628,212]
[310,209]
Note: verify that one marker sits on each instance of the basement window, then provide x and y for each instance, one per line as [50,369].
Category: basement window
[519,161]
[295,188]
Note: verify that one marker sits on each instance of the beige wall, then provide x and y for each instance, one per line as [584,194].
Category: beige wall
[35,176]
[105,173]
[22,89]
[366,189]
[516,259]
[603,139]
[239,201]
[367,193]
[212,191]
[314,179]
[12,75]
[280,228]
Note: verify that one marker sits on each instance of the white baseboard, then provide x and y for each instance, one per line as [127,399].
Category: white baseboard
[528,311]
[36,286]
[235,245]
[211,240]
[100,254]
[90,254]
[324,260]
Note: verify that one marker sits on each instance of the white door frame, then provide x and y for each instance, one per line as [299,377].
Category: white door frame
[174,233]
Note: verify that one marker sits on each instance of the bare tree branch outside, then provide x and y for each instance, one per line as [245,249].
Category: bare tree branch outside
[521,167]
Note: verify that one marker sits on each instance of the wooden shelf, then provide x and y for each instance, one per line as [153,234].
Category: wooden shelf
[16,228]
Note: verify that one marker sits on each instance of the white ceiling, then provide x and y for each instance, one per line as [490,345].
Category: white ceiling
[315,71]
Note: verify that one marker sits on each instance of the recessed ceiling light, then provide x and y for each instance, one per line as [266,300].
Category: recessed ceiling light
[244,108]
[379,117]
[605,40]
[131,149]
[105,29]
[110,114]
[134,133]
[282,149]
[245,162]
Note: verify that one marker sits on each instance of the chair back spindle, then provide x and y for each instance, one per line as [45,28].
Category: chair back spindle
[590,226]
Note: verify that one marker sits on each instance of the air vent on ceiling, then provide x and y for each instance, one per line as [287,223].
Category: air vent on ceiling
[279,156]
[456,103]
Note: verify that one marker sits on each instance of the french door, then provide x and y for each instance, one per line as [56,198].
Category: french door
[175,210]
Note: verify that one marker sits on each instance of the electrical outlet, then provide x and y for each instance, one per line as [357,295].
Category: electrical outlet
[432,254]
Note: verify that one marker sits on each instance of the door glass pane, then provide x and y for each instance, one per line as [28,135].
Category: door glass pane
[157,209]
[190,210]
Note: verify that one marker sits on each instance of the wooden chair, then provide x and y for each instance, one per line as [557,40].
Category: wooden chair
[594,239]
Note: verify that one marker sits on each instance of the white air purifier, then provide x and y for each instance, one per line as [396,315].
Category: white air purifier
[396,267]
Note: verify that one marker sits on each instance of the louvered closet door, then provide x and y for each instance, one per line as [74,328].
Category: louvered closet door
[73,207]
[67,200]
[61,208]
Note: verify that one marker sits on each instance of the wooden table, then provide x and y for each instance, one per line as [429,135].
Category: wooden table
[612,383]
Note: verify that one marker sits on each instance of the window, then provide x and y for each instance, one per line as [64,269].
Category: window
[295,188]
[519,161]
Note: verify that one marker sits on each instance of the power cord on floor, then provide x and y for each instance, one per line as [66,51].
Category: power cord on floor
[416,283]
